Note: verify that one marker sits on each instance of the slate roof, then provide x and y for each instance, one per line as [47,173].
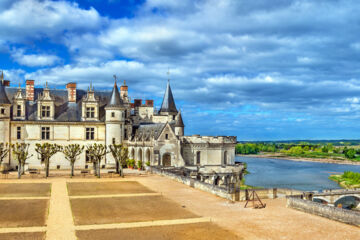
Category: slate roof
[115,99]
[168,103]
[65,111]
[179,121]
[3,97]
[148,130]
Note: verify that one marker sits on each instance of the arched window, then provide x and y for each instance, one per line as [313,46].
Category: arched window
[198,157]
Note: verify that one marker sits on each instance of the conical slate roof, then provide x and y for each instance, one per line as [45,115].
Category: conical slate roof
[168,104]
[3,97]
[179,121]
[115,99]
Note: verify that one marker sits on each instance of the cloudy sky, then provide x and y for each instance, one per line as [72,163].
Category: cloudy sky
[260,70]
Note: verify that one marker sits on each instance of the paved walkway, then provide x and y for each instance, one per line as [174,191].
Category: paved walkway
[60,223]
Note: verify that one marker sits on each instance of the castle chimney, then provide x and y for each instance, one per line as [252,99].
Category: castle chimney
[124,91]
[71,87]
[30,90]
[149,103]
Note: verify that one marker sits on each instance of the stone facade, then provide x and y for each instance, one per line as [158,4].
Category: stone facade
[63,116]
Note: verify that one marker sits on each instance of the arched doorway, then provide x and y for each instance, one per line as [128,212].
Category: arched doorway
[147,156]
[225,157]
[133,153]
[198,157]
[166,160]
[140,157]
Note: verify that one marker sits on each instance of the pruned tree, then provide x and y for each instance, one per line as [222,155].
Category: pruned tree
[121,154]
[45,152]
[21,152]
[72,152]
[4,150]
[97,152]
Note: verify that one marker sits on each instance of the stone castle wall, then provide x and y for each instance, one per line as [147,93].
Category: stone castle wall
[338,214]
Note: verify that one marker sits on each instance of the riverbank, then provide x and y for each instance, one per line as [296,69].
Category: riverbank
[298,159]
[348,180]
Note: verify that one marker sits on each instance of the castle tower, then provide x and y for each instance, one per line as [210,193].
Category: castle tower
[4,114]
[179,125]
[168,107]
[114,121]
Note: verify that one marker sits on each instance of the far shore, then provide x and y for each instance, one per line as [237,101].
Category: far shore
[284,157]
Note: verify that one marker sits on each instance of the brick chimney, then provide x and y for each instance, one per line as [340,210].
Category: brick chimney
[30,90]
[71,87]
[149,103]
[137,102]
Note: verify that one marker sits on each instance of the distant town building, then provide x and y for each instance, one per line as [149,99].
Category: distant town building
[63,116]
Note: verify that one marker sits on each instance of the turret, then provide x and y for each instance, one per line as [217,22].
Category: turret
[115,121]
[168,107]
[179,125]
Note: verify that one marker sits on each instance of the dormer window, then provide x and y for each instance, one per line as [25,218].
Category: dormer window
[90,112]
[45,111]
[18,110]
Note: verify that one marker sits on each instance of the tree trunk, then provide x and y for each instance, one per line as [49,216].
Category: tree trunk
[117,167]
[19,171]
[95,170]
[47,169]
[72,169]
[98,175]
[121,170]
[23,169]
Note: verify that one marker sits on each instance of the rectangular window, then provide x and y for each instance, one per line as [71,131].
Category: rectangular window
[3,111]
[45,111]
[18,110]
[90,133]
[114,141]
[88,157]
[18,133]
[125,134]
[166,136]
[45,133]
[90,112]
[112,114]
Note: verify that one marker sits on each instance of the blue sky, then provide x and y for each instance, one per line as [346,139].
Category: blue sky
[260,70]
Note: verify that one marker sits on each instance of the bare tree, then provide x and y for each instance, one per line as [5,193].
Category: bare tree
[21,152]
[121,154]
[4,150]
[46,151]
[71,153]
[97,152]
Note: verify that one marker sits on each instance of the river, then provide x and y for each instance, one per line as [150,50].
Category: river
[305,176]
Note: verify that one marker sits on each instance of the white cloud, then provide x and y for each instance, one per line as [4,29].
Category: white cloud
[34,60]
[33,19]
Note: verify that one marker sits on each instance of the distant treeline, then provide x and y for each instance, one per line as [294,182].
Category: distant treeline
[301,149]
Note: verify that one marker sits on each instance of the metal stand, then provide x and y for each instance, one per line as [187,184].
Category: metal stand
[256,203]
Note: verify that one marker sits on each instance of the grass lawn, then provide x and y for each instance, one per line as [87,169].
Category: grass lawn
[25,189]
[23,213]
[105,188]
[126,209]
[196,231]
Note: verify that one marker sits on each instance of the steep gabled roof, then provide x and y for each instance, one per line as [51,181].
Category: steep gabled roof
[168,103]
[115,99]
[3,97]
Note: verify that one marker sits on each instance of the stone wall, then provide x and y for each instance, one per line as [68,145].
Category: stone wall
[195,184]
[338,214]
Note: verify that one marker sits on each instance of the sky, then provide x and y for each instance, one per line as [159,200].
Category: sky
[258,70]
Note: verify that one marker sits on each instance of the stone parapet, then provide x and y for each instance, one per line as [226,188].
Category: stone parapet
[338,214]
